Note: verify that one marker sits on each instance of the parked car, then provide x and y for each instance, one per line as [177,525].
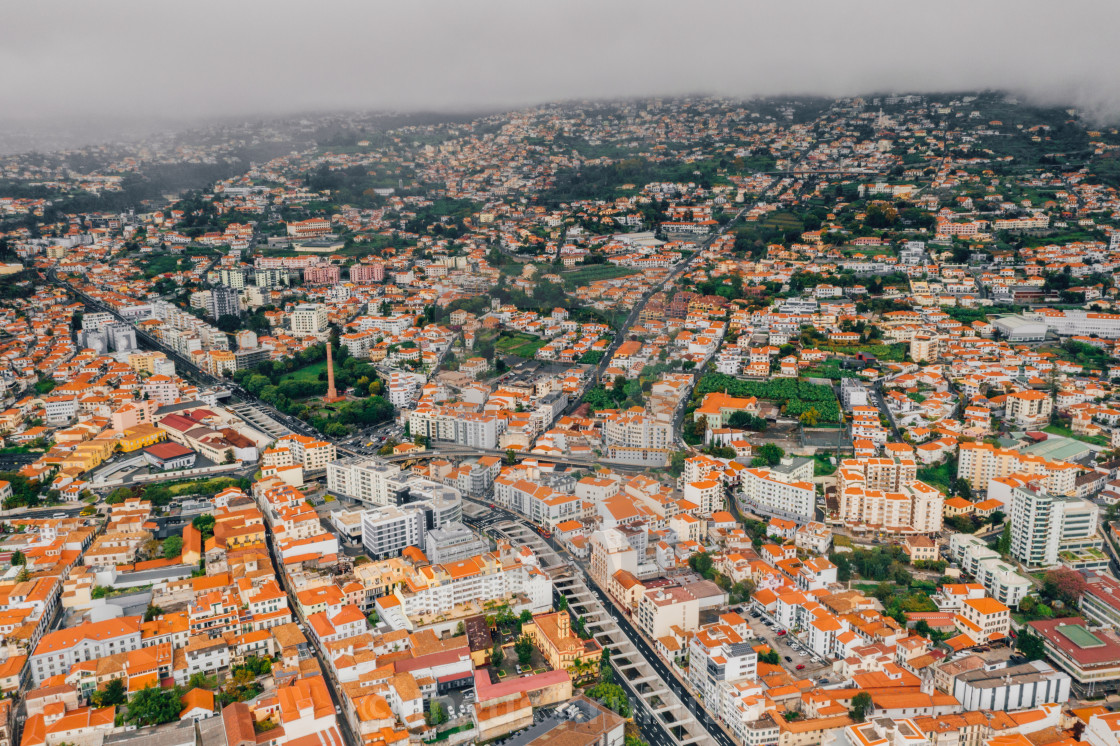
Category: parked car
[800,666]
[788,659]
[781,633]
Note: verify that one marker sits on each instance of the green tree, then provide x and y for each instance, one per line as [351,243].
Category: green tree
[497,656]
[228,323]
[1004,544]
[861,703]
[119,495]
[154,706]
[610,696]
[770,454]
[511,457]
[111,695]
[173,546]
[152,612]
[18,558]
[771,657]
[676,463]
[436,715]
[1031,645]
[1064,584]
[524,649]
[701,562]
[204,524]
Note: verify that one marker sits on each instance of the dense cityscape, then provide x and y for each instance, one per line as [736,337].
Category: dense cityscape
[687,420]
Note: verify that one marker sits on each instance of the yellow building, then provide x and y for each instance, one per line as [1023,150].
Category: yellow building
[88,455]
[552,634]
[140,436]
[144,362]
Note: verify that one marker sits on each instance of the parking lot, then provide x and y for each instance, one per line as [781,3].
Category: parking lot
[790,650]
[457,704]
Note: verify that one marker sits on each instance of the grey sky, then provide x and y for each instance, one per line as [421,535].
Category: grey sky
[76,60]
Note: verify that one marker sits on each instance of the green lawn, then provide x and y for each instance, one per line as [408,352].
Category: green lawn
[159,263]
[894,353]
[940,476]
[822,467]
[592,272]
[308,373]
[1098,440]
[522,345]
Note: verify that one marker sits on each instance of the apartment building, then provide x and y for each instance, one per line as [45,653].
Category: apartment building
[223,301]
[718,655]
[374,272]
[706,493]
[57,651]
[322,274]
[1030,409]
[387,530]
[1077,322]
[784,491]
[542,504]
[916,508]
[1044,525]
[369,480]
[309,319]
[660,609]
[456,587]
[637,430]
[472,429]
[309,228]
[313,453]
[983,619]
[610,553]
[998,577]
[980,463]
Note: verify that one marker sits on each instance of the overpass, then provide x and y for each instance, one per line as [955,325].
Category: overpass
[657,700]
[453,449]
[188,369]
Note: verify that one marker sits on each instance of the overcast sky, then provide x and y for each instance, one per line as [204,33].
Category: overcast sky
[203,58]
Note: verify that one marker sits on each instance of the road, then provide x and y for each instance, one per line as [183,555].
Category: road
[187,369]
[876,393]
[668,688]
[348,735]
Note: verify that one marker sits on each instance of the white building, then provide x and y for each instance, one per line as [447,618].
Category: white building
[781,492]
[1076,322]
[57,651]
[369,480]
[309,319]
[999,578]
[1000,687]
[718,655]
[389,529]
[1042,525]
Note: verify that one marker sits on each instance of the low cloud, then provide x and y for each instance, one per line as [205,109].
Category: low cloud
[72,62]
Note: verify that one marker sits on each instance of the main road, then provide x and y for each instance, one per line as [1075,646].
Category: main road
[678,269]
[186,367]
[665,696]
